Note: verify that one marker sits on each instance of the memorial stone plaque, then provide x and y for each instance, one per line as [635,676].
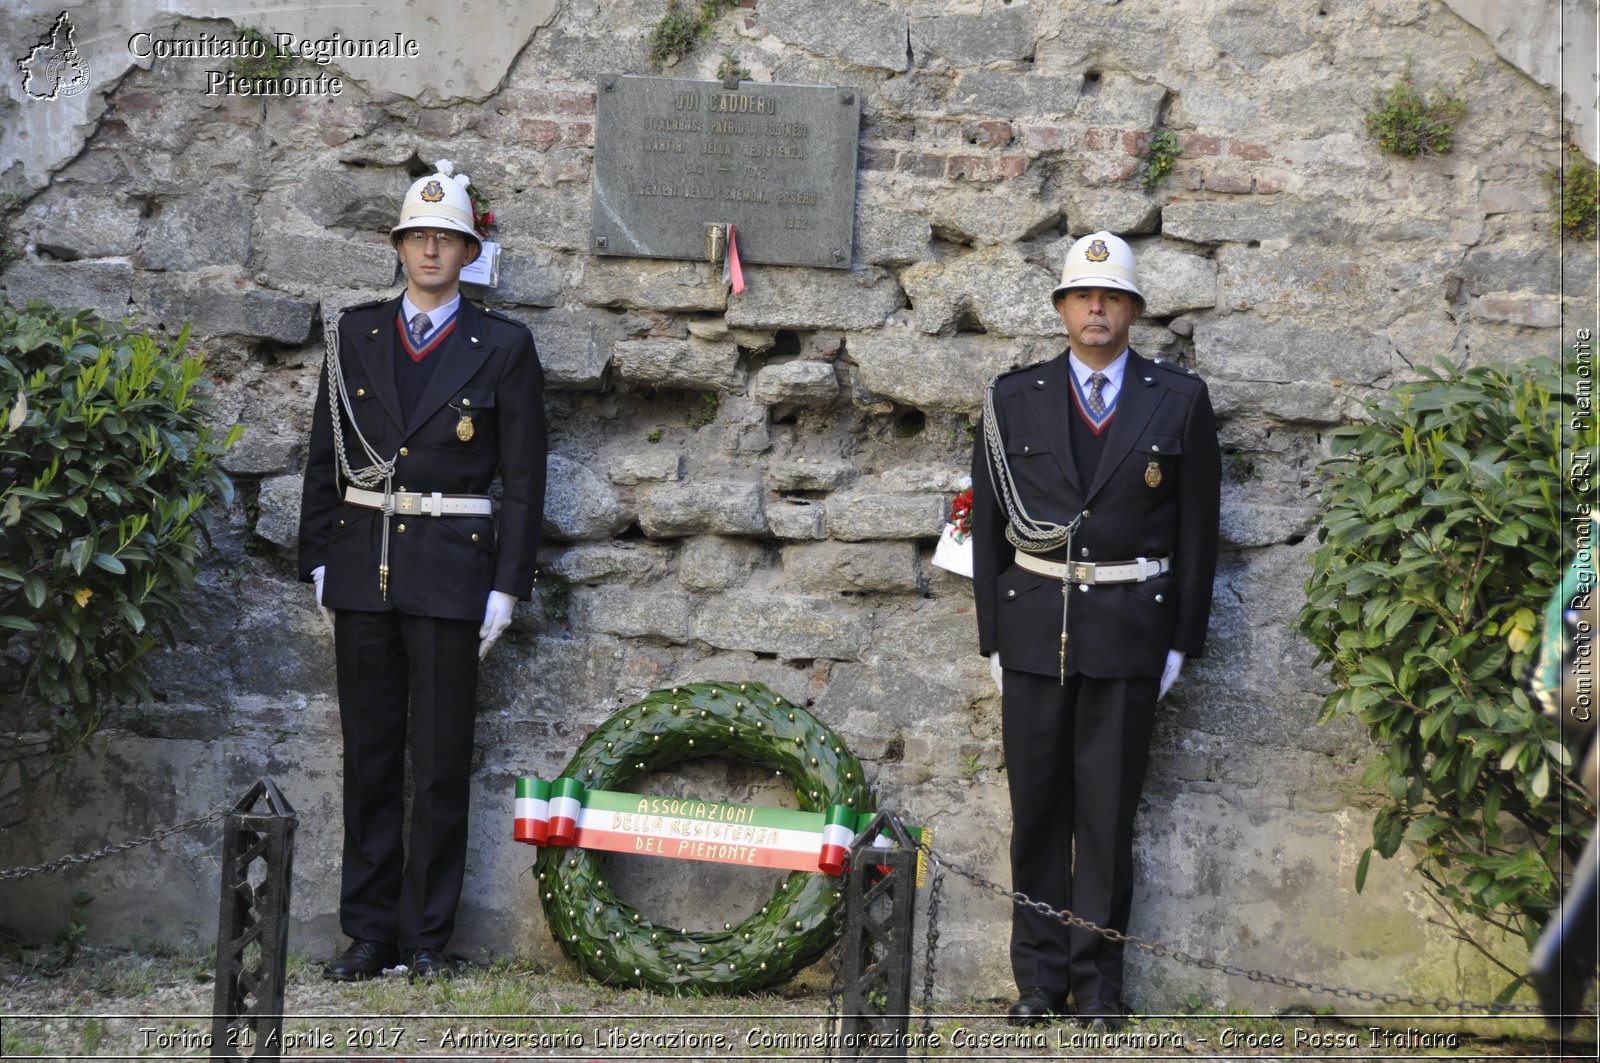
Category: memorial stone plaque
[676,161]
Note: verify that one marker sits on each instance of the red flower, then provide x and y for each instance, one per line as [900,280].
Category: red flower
[961,514]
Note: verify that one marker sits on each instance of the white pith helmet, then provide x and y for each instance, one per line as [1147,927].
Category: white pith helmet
[438,201]
[1099,260]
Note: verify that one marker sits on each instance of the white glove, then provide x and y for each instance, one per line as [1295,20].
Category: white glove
[1169,674]
[327,614]
[496,617]
[994,673]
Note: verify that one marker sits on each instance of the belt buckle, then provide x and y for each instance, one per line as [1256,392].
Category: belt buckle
[407,503]
[1080,571]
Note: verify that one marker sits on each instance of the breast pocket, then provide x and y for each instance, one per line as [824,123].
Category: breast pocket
[1157,461]
[471,423]
[1033,466]
[369,415]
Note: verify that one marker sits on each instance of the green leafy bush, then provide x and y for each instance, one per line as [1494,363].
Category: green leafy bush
[106,470]
[1576,192]
[1405,122]
[1442,536]
[681,27]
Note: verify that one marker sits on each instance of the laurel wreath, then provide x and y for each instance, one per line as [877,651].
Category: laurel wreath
[615,943]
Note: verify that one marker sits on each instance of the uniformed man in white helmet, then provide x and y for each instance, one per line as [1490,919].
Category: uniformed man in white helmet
[1096,480]
[425,400]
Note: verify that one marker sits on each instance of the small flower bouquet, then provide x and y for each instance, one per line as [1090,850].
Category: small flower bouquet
[954,552]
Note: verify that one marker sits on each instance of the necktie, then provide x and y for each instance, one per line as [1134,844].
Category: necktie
[1097,402]
[419,328]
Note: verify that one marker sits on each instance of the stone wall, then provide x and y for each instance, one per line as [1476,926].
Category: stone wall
[749,487]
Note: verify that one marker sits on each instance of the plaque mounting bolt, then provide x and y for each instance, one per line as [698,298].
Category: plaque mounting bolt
[848,98]
[600,242]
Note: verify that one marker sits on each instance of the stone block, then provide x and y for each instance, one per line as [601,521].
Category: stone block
[74,226]
[579,505]
[102,285]
[1007,295]
[789,297]
[222,304]
[625,562]
[861,567]
[1317,284]
[792,628]
[887,237]
[866,33]
[1519,308]
[711,563]
[1126,211]
[797,520]
[194,232]
[795,383]
[1232,221]
[922,479]
[677,510]
[1122,101]
[361,198]
[1254,34]
[651,284]
[1003,36]
[311,260]
[278,510]
[1175,281]
[1236,348]
[809,474]
[631,613]
[574,347]
[692,364]
[527,278]
[655,466]
[860,515]
[980,216]
[988,92]
[1297,403]
[938,374]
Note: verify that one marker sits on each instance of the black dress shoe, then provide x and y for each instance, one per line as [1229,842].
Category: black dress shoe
[363,959]
[1101,1015]
[1036,1005]
[428,964]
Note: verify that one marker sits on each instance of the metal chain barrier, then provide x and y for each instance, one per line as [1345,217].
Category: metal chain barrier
[216,813]
[1443,1004]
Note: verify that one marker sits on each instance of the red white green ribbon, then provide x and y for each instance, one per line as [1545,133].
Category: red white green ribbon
[683,828]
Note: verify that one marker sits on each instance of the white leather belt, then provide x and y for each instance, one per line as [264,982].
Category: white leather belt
[417,504]
[1136,571]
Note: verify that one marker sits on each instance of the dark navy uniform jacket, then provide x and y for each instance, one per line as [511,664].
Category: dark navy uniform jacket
[1154,494]
[438,566]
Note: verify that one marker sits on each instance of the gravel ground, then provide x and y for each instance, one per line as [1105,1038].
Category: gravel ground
[107,1004]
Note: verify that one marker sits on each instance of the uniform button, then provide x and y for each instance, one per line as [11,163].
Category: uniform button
[1154,449]
[1161,598]
[466,402]
[402,528]
[1011,594]
[402,487]
[404,451]
[475,539]
[361,393]
[1026,449]
[1083,587]
[1086,513]
[1084,552]
[341,522]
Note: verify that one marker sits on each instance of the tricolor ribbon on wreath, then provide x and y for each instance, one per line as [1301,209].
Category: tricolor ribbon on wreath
[564,812]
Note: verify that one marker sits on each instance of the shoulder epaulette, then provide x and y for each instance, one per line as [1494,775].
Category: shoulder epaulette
[1174,367]
[1021,369]
[368,305]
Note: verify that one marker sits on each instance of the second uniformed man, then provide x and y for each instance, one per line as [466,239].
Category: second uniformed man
[424,401]
[1094,527]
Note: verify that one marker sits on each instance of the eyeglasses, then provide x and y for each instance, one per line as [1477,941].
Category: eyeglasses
[447,240]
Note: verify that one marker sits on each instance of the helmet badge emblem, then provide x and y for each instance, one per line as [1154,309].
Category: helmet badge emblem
[432,192]
[1097,251]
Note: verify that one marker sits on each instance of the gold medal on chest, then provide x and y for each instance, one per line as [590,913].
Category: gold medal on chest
[1152,475]
[464,430]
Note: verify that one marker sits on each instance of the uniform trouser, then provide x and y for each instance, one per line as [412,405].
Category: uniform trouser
[1076,758]
[404,680]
